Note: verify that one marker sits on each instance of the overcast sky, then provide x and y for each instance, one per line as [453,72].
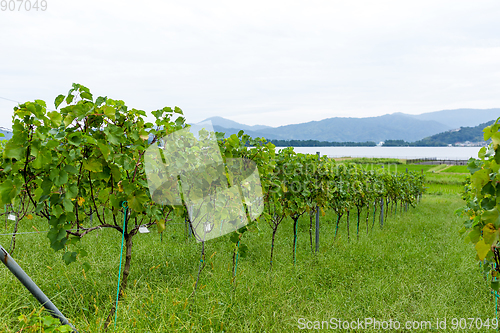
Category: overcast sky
[257,62]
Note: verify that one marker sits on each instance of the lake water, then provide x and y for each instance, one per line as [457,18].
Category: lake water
[455,153]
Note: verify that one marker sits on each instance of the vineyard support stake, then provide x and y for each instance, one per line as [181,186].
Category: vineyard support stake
[317,219]
[32,287]
[381,213]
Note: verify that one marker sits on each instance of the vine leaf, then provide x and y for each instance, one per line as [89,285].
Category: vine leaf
[136,200]
[482,249]
[160,225]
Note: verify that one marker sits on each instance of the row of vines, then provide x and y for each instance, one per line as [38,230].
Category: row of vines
[482,210]
[86,159]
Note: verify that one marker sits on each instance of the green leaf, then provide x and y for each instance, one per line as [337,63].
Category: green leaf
[75,138]
[55,117]
[43,159]
[86,266]
[489,188]
[495,138]
[495,285]
[160,225]
[491,216]
[92,165]
[13,150]
[480,178]
[41,102]
[46,186]
[82,253]
[143,134]
[57,210]
[65,329]
[59,100]
[104,150]
[233,140]
[109,111]
[490,234]
[9,190]
[243,250]
[69,257]
[113,135]
[104,194]
[70,169]
[235,237]
[136,200]
[69,119]
[86,95]
[100,100]
[474,165]
[115,171]
[73,240]
[38,193]
[57,238]
[61,179]
[68,205]
[482,249]
[69,99]
[89,139]
[488,203]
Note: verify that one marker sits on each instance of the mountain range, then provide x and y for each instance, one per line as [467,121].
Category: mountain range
[396,126]
[7,134]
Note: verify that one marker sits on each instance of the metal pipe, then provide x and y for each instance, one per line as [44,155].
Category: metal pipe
[32,287]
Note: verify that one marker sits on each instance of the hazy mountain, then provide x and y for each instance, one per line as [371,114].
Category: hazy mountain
[460,117]
[339,129]
[6,132]
[360,129]
[396,126]
[226,123]
[253,134]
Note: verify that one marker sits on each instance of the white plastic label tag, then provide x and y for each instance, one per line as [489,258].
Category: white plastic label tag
[12,217]
[143,230]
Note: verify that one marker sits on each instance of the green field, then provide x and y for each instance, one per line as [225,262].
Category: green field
[457,169]
[398,167]
[415,268]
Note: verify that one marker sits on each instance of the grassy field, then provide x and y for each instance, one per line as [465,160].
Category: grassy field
[398,167]
[456,169]
[415,268]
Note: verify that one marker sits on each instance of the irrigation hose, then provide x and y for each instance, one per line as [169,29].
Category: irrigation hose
[337,227]
[236,262]
[374,211]
[121,256]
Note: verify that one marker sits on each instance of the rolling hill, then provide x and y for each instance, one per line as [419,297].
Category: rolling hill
[471,134]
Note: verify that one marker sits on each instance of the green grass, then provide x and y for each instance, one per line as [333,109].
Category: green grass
[438,168]
[396,166]
[370,160]
[456,169]
[438,178]
[415,268]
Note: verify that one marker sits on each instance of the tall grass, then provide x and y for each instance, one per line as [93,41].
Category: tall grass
[414,268]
